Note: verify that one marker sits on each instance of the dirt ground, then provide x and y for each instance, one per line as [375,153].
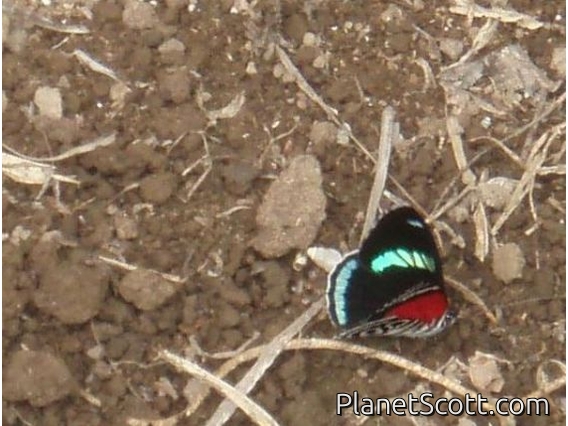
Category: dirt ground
[202,117]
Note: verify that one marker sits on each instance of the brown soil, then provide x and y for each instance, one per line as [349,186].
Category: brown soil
[80,336]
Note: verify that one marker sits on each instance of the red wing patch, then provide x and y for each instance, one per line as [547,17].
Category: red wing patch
[427,307]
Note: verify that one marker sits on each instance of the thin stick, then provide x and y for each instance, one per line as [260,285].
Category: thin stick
[78,150]
[471,297]
[389,131]
[305,87]
[547,111]
[526,183]
[264,361]
[338,345]
[253,410]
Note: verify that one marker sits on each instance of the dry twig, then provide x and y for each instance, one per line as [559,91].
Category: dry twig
[253,410]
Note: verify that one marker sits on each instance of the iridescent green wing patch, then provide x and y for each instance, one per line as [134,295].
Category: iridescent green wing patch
[402,258]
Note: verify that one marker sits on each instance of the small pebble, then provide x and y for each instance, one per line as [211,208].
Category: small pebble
[126,227]
[508,262]
[310,39]
[49,102]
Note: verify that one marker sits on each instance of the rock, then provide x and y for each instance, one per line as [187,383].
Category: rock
[48,100]
[484,373]
[138,15]
[147,290]
[71,292]
[37,377]
[292,210]
[508,262]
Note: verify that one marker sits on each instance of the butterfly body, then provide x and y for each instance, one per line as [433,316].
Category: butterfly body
[393,285]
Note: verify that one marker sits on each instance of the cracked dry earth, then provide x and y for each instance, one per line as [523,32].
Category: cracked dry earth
[218,172]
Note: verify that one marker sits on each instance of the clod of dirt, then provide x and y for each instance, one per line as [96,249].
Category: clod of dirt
[139,16]
[172,51]
[64,130]
[145,289]
[558,61]
[484,373]
[322,134]
[391,382]
[508,262]
[292,210]
[275,283]
[15,291]
[233,294]
[451,47]
[48,100]
[157,188]
[174,85]
[227,316]
[176,4]
[126,227]
[293,375]
[44,253]
[238,177]
[497,191]
[37,377]
[71,292]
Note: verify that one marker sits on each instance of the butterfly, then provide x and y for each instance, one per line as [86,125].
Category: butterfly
[393,285]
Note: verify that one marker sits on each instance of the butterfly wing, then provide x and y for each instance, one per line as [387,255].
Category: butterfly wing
[394,326]
[351,292]
[402,242]
[394,284]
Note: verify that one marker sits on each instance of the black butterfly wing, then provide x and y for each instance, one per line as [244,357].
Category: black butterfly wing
[352,295]
[402,242]
[394,284]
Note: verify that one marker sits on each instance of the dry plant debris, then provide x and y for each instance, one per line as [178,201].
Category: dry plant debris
[31,172]
[472,10]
